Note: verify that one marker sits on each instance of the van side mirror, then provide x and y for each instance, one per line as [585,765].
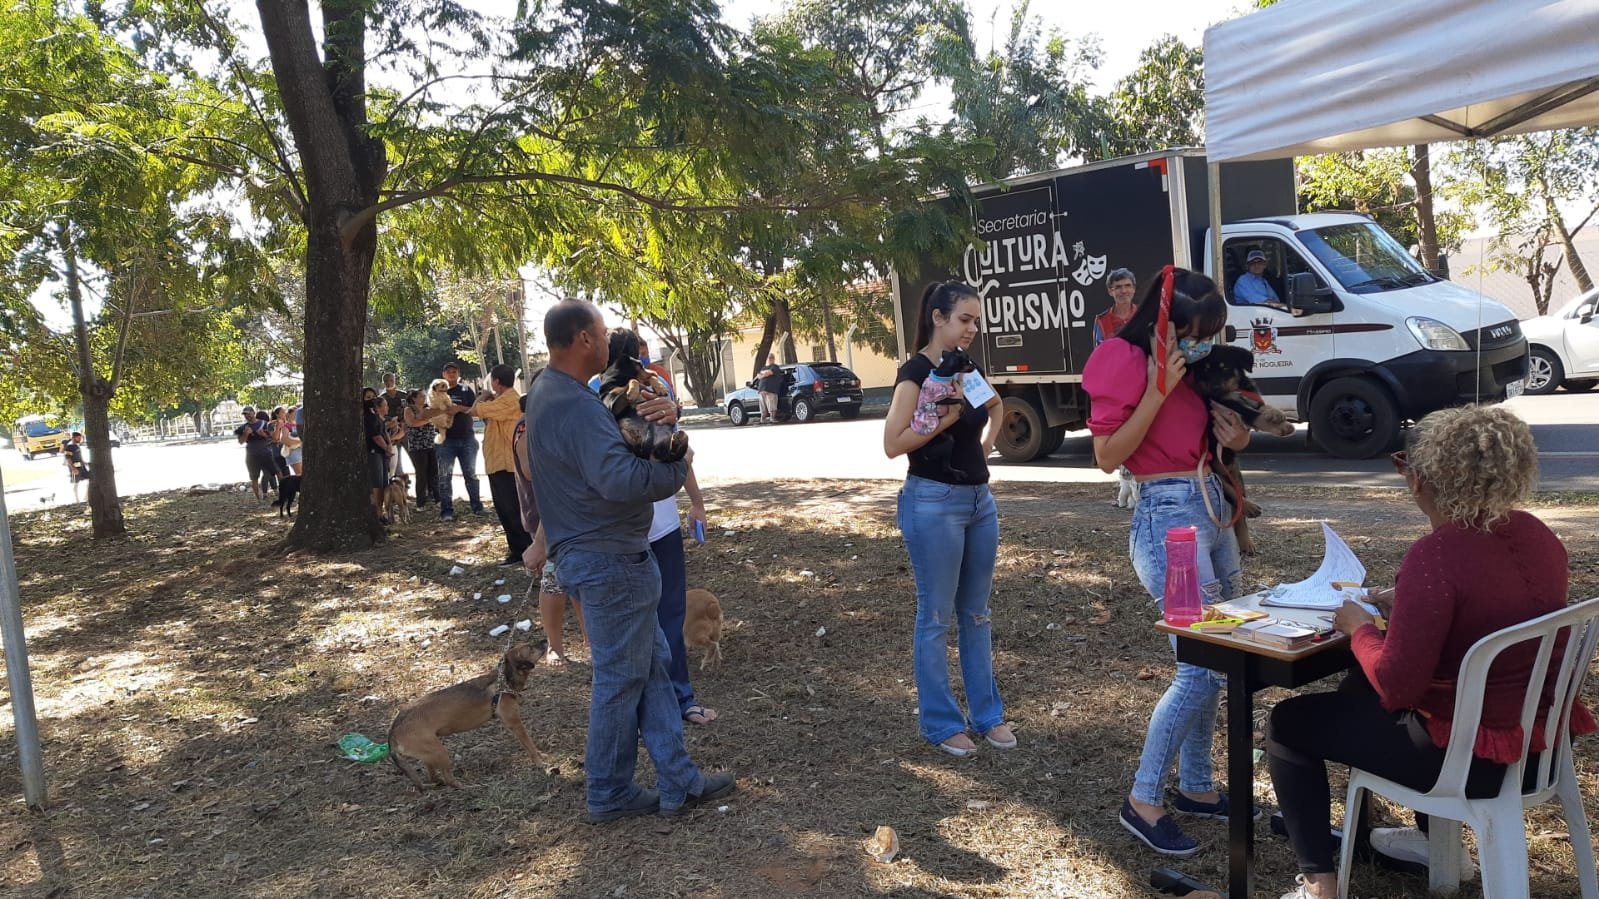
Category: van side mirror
[1230,334]
[1308,297]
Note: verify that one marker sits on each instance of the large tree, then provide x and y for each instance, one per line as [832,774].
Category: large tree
[107,221]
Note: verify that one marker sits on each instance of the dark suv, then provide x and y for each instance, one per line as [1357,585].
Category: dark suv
[809,389]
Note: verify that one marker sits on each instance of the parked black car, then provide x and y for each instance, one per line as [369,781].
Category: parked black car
[809,389]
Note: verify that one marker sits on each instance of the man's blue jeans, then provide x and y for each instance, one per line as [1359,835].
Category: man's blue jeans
[952,536]
[632,695]
[463,449]
[1184,721]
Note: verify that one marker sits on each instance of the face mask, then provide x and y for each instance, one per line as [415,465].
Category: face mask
[644,358]
[1195,350]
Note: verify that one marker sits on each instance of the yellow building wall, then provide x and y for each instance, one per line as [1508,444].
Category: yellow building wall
[873,368]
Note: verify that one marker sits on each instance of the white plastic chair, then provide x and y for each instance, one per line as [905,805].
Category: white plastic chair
[1499,821]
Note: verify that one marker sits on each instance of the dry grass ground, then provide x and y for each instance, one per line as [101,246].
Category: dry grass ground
[190,692]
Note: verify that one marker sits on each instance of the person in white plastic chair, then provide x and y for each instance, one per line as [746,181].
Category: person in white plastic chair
[1484,566]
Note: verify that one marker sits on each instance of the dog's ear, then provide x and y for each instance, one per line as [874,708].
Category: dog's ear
[1238,357]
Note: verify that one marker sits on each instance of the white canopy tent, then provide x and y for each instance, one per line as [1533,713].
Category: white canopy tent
[1321,76]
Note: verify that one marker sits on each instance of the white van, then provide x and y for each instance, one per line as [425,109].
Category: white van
[1363,338]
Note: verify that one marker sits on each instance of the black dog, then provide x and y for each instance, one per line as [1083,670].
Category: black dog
[620,387]
[288,489]
[941,449]
[1222,377]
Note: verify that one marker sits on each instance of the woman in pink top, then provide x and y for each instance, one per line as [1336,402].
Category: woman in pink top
[1161,438]
[1484,566]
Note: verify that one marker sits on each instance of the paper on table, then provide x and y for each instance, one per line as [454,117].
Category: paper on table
[978,393]
[1338,565]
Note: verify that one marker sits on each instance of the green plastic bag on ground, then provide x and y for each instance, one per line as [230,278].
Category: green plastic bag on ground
[357,748]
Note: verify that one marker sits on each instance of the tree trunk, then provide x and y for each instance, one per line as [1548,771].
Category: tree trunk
[1557,224]
[827,325]
[1427,224]
[783,318]
[325,105]
[104,509]
[199,424]
[763,347]
[702,364]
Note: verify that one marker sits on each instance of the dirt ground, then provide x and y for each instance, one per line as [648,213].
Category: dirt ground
[191,689]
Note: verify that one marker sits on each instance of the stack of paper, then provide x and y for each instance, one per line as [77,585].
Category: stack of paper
[1339,578]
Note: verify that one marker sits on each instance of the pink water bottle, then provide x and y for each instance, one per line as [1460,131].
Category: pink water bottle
[1182,577]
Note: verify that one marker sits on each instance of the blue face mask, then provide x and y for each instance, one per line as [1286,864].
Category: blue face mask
[644,358]
[1195,350]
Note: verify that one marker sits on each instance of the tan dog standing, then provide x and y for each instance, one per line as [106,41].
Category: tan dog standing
[702,625]
[417,731]
[396,498]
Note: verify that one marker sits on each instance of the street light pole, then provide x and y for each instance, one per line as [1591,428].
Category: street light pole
[24,721]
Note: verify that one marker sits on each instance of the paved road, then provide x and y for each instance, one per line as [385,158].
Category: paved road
[1566,427]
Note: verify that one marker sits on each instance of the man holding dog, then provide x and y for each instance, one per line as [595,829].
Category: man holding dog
[595,504]
[459,445]
[500,411]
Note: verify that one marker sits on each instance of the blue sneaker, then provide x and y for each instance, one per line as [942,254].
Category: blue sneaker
[1164,836]
[1220,809]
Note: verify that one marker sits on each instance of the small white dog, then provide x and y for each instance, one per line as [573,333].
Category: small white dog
[1127,489]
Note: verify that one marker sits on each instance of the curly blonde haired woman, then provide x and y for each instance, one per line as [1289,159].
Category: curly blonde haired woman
[1485,565]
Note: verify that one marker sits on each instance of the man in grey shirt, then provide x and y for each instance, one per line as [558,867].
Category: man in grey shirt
[594,499]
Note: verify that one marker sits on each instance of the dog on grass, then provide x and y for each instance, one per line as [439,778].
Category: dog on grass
[1222,377]
[1126,489]
[417,732]
[702,625]
[288,490]
[621,388]
[396,502]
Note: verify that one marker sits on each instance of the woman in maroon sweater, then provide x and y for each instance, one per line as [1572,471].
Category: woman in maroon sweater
[1484,567]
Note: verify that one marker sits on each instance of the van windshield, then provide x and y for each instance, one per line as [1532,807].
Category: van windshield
[39,429]
[1364,258]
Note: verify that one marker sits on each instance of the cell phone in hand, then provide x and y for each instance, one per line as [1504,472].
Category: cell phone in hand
[699,532]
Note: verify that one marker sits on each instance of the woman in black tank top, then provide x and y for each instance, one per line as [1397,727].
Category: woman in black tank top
[951,527]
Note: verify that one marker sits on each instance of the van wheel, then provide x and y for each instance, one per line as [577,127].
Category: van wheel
[1544,372]
[1354,418]
[1022,433]
[1053,438]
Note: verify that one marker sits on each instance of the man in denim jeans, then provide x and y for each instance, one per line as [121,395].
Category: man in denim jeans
[595,504]
[459,445]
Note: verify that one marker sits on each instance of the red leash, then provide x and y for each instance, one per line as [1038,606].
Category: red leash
[1162,340]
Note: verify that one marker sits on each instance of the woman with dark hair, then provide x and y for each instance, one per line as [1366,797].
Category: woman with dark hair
[419,438]
[1146,415]
[951,530]
[377,452]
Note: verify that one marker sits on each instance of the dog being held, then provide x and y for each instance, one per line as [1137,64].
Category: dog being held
[417,732]
[438,401]
[621,390]
[288,489]
[396,502]
[702,625]
[938,391]
[1222,377]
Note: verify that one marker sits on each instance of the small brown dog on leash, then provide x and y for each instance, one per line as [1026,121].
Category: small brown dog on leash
[702,625]
[396,498]
[417,731]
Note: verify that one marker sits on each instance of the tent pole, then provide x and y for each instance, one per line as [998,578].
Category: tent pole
[1218,270]
[18,676]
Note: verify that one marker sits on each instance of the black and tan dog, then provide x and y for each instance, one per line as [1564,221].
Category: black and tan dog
[621,388]
[288,489]
[1222,377]
[417,731]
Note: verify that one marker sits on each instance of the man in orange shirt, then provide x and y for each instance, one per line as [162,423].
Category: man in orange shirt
[500,411]
[1122,286]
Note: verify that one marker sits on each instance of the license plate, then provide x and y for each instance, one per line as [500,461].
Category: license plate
[846,399]
[1515,388]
